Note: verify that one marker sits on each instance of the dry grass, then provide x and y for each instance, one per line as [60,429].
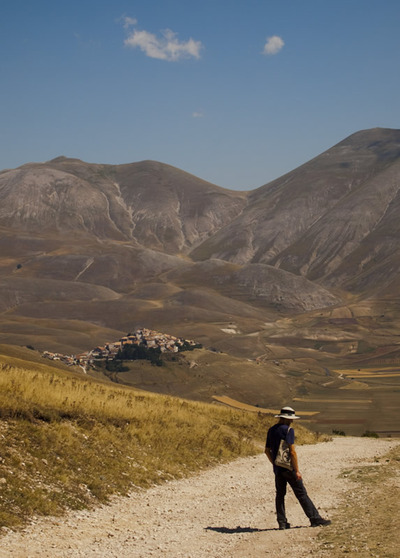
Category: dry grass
[71,442]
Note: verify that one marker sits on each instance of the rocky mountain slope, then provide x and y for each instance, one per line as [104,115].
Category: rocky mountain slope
[149,204]
[331,220]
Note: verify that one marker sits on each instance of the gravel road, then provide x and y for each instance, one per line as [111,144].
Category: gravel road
[227,511]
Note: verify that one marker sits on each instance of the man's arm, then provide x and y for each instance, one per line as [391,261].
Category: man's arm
[268,453]
[294,460]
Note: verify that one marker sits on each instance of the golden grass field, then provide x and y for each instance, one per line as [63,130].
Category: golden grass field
[71,441]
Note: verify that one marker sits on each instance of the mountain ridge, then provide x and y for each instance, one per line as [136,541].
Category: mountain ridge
[153,203]
[302,223]
[364,166]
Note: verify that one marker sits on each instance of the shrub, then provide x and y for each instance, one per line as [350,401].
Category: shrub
[370,434]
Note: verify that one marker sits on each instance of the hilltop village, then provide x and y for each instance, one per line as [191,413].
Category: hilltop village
[147,337]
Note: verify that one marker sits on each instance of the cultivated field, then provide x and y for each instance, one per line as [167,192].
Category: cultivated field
[368,401]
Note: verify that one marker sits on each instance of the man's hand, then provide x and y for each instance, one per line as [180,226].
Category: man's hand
[295,462]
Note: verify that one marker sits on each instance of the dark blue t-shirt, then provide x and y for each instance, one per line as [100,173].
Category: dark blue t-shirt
[275,434]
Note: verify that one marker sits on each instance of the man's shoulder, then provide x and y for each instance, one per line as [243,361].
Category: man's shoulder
[278,427]
[281,431]
[277,431]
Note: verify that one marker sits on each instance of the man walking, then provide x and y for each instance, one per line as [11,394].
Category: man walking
[283,431]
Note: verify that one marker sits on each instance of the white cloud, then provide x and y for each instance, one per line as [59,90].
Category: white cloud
[128,21]
[273,45]
[166,47]
[197,114]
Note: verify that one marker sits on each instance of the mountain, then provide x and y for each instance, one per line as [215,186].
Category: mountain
[149,204]
[296,275]
[331,220]
[119,226]
[110,225]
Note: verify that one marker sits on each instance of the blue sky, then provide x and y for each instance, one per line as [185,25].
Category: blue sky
[237,92]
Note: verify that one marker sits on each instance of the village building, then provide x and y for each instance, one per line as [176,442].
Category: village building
[152,339]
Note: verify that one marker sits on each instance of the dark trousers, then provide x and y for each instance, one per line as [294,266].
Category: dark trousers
[282,478]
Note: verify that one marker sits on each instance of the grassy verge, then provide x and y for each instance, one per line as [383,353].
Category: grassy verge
[68,441]
[366,524]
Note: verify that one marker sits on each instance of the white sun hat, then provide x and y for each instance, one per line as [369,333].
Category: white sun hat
[287,413]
